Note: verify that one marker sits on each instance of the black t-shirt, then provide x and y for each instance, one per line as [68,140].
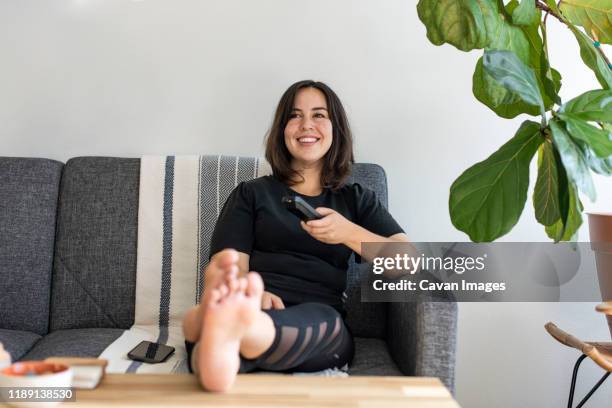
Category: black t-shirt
[295,266]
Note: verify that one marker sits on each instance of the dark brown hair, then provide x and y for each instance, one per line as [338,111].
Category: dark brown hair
[338,160]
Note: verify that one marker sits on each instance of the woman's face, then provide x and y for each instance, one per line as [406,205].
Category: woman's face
[309,133]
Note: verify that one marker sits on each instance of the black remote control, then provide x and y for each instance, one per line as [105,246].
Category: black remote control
[299,207]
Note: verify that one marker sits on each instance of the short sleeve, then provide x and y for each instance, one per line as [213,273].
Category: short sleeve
[372,215]
[234,227]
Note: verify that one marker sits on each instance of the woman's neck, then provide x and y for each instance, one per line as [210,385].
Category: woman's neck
[311,185]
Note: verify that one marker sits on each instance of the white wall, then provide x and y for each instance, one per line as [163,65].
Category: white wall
[126,78]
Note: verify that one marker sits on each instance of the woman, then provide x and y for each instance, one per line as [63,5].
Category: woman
[297,322]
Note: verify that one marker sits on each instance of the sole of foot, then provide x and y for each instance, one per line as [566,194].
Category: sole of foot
[230,312]
[219,274]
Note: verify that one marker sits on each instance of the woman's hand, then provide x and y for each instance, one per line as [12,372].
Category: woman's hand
[333,228]
[271,301]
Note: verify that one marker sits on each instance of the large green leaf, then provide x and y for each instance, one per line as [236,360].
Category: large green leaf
[549,79]
[594,15]
[573,159]
[487,199]
[526,13]
[607,162]
[597,164]
[546,192]
[597,139]
[589,54]
[507,69]
[466,24]
[563,191]
[565,229]
[503,102]
[526,43]
[592,105]
[592,58]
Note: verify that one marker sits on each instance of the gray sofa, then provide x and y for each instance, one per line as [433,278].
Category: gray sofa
[68,236]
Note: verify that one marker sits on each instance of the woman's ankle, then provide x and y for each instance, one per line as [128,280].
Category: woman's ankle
[259,338]
[192,324]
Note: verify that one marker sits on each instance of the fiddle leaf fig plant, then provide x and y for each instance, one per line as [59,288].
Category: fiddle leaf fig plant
[512,77]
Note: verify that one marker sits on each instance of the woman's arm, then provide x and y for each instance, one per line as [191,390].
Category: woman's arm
[361,235]
[333,228]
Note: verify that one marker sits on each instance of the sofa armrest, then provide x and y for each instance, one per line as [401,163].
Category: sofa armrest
[422,336]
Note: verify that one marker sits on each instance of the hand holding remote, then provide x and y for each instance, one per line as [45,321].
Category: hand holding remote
[333,228]
[299,207]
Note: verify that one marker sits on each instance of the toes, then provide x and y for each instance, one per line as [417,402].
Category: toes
[222,263]
[231,286]
[222,270]
[232,283]
[214,297]
[232,272]
[226,258]
[243,284]
[255,285]
[223,290]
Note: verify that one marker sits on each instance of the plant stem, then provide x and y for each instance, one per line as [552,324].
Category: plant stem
[594,36]
[604,57]
[503,11]
[548,11]
[546,133]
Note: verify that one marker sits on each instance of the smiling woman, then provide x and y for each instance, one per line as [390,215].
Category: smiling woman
[308,134]
[310,110]
[289,314]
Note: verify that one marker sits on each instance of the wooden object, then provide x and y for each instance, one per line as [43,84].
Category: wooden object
[599,352]
[163,390]
[605,307]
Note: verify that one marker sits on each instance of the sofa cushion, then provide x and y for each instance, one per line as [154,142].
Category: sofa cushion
[371,355]
[28,206]
[18,342]
[372,358]
[73,343]
[95,259]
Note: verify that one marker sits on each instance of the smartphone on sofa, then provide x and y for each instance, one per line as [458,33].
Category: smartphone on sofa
[150,352]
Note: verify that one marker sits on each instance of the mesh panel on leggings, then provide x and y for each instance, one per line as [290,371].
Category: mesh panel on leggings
[309,337]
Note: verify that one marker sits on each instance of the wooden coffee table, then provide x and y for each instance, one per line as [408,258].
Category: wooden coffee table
[266,391]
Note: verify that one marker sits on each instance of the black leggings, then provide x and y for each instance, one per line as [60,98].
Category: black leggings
[309,337]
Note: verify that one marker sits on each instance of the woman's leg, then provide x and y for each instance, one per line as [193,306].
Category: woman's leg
[229,314]
[308,337]
[238,336]
[191,324]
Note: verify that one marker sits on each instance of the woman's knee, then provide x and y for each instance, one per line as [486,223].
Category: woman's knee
[327,312]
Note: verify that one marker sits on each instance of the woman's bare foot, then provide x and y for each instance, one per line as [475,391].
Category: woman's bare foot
[223,269]
[229,313]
